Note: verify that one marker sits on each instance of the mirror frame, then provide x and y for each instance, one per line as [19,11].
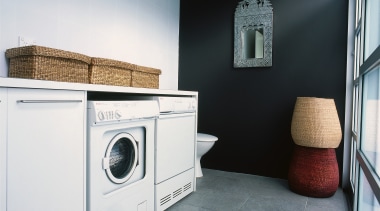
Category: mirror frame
[251,15]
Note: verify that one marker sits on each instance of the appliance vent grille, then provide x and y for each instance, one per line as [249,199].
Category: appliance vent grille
[187,186]
[165,199]
[177,192]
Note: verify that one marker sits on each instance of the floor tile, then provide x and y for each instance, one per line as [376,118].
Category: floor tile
[229,191]
[332,203]
[268,203]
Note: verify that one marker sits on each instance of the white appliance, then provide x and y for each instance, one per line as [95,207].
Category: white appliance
[120,164]
[175,150]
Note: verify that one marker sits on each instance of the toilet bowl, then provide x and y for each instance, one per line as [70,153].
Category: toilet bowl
[204,144]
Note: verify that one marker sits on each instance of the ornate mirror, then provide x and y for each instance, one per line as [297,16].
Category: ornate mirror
[253,34]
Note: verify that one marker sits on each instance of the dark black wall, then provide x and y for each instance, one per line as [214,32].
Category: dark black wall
[250,109]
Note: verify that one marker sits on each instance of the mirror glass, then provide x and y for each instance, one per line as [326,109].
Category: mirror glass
[253,34]
[253,43]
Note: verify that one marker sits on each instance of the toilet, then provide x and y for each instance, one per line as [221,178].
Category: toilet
[204,144]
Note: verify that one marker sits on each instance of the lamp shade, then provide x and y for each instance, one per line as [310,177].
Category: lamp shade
[315,123]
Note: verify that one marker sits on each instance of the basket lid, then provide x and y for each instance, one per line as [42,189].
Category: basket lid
[148,70]
[34,50]
[112,63]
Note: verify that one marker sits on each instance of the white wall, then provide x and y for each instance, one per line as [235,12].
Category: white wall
[143,32]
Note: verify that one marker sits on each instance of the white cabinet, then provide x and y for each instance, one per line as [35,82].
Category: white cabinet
[43,143]
[3,147]
[46,150]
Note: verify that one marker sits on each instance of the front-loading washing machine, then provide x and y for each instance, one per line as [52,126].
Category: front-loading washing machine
[120,155]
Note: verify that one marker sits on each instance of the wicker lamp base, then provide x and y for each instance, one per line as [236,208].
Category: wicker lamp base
[313,172]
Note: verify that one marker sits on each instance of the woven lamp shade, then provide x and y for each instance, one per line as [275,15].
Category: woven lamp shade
[316,123]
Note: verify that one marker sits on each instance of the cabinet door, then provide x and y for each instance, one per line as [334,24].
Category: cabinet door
[46,150]
[175,145]
[3,147]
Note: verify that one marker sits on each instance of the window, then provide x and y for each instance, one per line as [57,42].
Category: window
[365,127]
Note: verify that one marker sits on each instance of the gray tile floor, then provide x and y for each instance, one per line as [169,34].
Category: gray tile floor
[228,191]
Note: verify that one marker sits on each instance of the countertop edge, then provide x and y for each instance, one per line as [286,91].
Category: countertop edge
[42,84]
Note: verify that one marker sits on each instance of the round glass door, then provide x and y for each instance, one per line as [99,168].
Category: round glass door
[121,158]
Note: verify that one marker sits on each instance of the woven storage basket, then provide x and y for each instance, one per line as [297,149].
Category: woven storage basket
[313,172]
[43,63]
[145,77]
[110,72]
[315,123]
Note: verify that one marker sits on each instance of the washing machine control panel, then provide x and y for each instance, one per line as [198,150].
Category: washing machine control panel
[105,111]
[104,115]
[177,104]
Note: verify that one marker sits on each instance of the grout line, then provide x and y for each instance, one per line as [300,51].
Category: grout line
[242,204]
[307,199]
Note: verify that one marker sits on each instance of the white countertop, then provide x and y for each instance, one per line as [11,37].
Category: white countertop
[41,84]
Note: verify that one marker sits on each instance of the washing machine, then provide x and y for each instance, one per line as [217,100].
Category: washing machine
[120,155]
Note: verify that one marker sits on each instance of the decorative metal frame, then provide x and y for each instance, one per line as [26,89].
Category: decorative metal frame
[250,15]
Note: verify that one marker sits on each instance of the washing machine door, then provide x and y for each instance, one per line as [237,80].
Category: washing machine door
[121,158]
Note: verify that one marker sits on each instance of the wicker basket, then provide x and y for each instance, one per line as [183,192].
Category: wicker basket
[37,62]
[145,77]
[110,72]
[315,123]
[313,172]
